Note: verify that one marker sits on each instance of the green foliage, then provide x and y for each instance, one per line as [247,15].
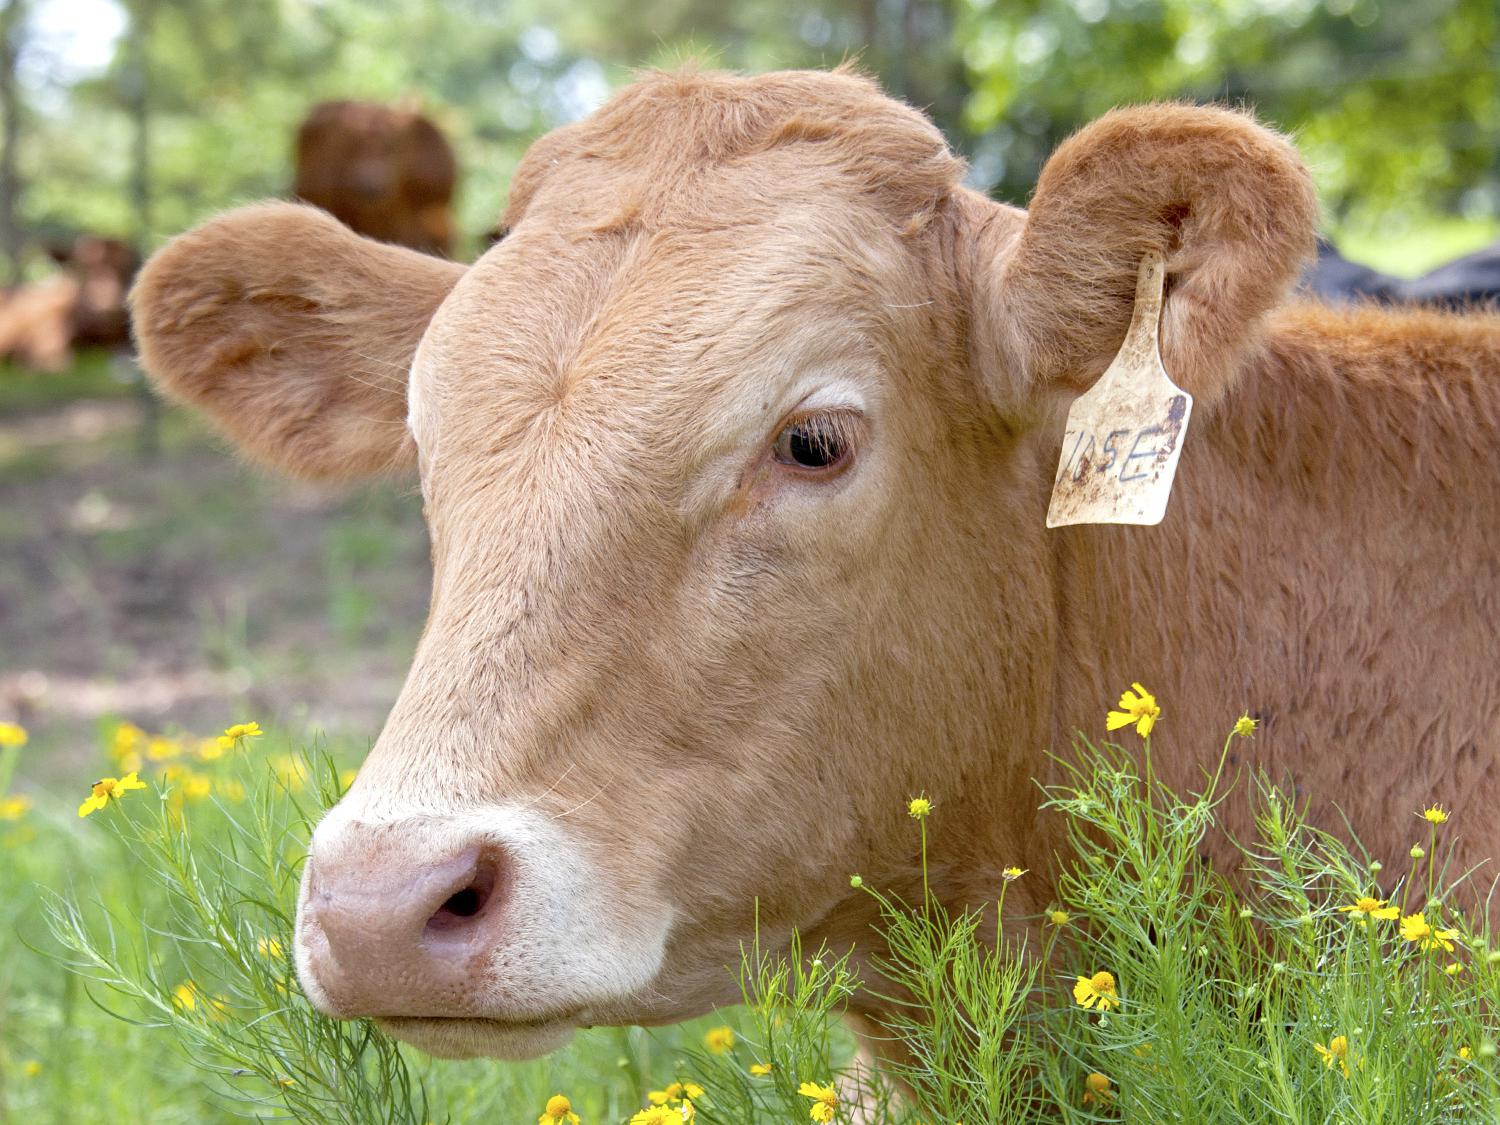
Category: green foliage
[1394,104]
[146,971]
[1272,998]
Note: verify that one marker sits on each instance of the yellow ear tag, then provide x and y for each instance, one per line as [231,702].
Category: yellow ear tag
[1125,433]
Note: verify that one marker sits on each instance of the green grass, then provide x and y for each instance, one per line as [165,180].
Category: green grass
[1410,249]
[105,921]
[92,375]
[1218,1000]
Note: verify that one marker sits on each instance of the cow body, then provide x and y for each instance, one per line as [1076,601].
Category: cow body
[1328,567]
[44,323]
[1468,284]
[385,173]
[736,455]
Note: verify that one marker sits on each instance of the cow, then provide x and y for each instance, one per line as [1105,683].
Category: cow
[384,172]
[1463,285]
[44,323]
[736,455]
[1333,277]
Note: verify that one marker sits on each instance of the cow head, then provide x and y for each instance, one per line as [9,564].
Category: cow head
[736,519]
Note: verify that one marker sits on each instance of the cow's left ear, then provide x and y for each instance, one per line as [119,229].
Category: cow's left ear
[1228,204]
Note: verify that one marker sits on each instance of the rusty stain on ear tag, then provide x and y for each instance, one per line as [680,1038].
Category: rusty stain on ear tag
[1124,433]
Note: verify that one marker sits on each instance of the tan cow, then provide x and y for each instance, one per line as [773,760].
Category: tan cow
[736,454]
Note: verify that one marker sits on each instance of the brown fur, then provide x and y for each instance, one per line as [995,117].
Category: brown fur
[43,324]
[384,172]
[725,679]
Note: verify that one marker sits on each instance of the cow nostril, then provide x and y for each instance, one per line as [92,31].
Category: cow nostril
[467,903]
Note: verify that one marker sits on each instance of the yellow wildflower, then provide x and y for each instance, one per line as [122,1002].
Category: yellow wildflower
[209,750]
[1096,991]
[558,1111]
[290,771]
[1096,1088]
[1435,814]
[1415,928]
[660,1115]
[1011,874]
[760,1070]
[188,997]
[918,808]
[237,733]
[12,734]
[1137,707]
[31,1068]
[676,1092]
[108,789]
[160,749]
[1374,907]
[1058,917]
[126,746]
[14,806]
[719,1039]
[1245,726]
[1465,1054]
[268,947]
[825,1100]
[195,786]
[1337,1051]
[1453,968]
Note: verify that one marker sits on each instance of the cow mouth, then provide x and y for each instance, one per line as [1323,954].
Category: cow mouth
[477,1037]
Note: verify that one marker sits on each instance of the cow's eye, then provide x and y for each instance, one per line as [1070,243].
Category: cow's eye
[819,443]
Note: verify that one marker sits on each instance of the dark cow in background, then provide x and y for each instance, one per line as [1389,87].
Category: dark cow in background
[1336,279]
[43,323]
[1468,282]
[1471,280]
[383,172]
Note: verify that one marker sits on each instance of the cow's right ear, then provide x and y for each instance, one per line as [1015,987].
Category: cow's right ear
[1226,202]
[292,333]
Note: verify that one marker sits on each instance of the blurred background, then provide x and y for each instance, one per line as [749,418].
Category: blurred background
[146,575]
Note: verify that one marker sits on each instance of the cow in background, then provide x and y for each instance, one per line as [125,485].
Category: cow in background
[1336,279]
[43,323]
[1464,283]
[385,173]
[1469,282]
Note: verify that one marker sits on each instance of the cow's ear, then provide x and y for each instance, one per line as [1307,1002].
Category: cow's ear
[1227,203]
[292,333]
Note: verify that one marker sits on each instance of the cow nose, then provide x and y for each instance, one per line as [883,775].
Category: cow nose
[387,937]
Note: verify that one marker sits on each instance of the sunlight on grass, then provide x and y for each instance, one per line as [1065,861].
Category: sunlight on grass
[1408,249]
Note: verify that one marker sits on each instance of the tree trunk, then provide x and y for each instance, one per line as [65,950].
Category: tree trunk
[138,74]
[11,19]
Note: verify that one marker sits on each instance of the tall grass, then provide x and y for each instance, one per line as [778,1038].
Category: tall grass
[1269,999]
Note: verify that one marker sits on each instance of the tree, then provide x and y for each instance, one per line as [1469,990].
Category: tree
[12,21]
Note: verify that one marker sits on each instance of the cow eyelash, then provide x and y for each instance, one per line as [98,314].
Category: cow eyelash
[820,443]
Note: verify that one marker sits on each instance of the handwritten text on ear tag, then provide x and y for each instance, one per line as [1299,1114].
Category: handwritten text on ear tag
[1125,433]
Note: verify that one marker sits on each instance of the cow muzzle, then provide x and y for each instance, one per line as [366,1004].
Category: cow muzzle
[386,938]
[486,933]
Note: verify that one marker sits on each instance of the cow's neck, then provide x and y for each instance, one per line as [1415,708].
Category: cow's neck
[1328,563]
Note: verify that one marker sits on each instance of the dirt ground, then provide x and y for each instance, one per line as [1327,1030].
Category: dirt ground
[182,590]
